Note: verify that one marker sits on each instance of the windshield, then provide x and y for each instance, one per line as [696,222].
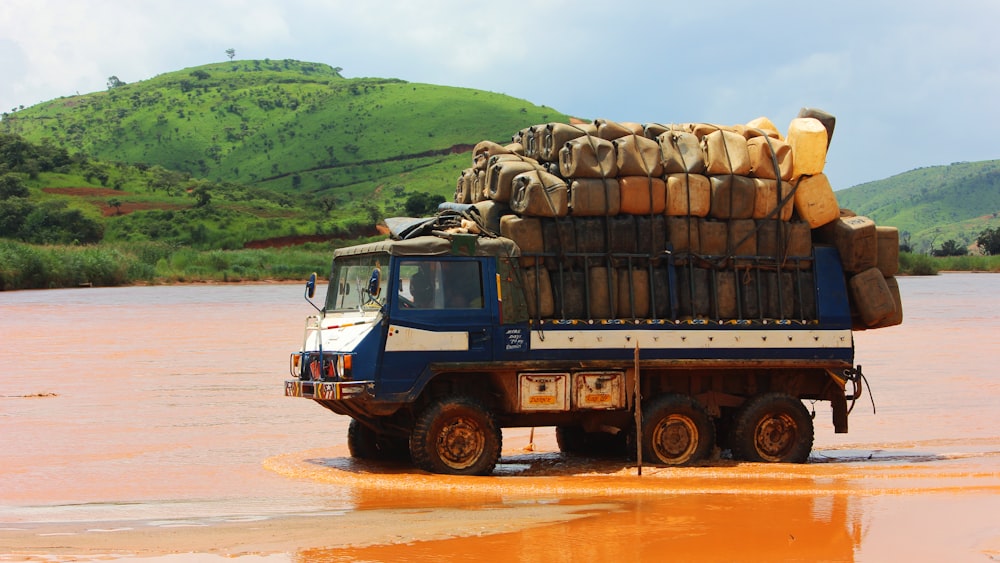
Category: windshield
[350,281]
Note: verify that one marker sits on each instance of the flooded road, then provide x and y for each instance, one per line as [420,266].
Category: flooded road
[150,421]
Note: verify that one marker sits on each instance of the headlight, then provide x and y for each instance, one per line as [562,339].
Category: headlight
[344,362]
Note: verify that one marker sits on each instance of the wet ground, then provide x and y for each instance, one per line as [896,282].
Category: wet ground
[148,423]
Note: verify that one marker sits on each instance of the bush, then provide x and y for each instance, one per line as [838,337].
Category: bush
[422,204]
[989,241]
[951,247]
[94,266]
[23,266]
[917,264]
[11,185]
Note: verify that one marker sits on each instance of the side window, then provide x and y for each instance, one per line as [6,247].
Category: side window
[463,284]
[416,285]
[440,284]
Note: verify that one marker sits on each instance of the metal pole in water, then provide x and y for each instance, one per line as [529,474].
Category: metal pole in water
[638,412]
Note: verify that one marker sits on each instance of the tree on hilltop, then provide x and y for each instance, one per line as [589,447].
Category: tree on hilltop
[231,53]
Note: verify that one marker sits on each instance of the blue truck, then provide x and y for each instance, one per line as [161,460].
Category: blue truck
[433,342]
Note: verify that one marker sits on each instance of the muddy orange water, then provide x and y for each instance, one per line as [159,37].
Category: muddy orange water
[149,423]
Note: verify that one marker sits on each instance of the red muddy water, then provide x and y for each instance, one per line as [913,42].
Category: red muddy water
[149,423]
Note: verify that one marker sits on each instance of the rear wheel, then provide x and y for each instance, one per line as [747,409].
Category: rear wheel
[574,440]
[365,443]
[676,430]
[773,427]
[456,436]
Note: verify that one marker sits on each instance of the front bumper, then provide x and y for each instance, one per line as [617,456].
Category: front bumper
[328,390]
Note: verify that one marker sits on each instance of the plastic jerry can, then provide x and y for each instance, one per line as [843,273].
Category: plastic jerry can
[642,195]
[808,139]
[856,240]
[688,194]
[594,197]
[539,194]
[872,299]
[815,202]
[526,232]
[888,250]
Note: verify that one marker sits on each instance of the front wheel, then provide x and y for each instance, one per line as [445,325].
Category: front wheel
[456,436]
[676,430]
[365,443]
[773,427]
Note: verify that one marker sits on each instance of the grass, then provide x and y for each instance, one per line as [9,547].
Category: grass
[917,264]
[25,266]
[969,263]
[923,265]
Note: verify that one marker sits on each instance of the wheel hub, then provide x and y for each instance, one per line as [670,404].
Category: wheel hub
[675,439]
[775,436]
[460,443]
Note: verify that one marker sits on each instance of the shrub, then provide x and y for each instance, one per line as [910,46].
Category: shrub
[917,264]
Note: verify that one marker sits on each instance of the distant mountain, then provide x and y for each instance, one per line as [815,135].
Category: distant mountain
[291,126]
[933,204]
[246,153]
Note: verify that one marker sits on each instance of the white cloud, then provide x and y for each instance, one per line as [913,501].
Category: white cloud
[890,70]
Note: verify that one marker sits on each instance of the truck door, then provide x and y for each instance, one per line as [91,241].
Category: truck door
[439,314]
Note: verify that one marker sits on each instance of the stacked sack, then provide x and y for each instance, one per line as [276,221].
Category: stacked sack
[596,209]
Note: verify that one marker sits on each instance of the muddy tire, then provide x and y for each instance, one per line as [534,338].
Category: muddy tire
[676,430]
[773,427]
[365,443]
[573,440]
[456,436]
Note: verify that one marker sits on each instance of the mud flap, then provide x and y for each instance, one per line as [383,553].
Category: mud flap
[839,406]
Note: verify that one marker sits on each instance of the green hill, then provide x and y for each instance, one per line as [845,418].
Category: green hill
[289,148]
[294,127]
[933,204]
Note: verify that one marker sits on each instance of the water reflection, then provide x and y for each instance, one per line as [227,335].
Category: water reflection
[689,527]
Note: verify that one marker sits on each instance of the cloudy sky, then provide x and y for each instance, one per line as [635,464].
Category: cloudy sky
[912,83]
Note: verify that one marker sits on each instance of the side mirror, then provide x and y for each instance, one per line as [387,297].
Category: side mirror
[311,291]
[311,286]
[373,283]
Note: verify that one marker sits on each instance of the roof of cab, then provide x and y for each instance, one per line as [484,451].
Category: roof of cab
[435,246]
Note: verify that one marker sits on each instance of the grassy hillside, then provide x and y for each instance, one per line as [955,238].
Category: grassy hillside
[933,204]
[50,197]
[288,126]
[250,154]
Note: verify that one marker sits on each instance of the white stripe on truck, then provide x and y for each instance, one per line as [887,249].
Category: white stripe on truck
[405,339]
